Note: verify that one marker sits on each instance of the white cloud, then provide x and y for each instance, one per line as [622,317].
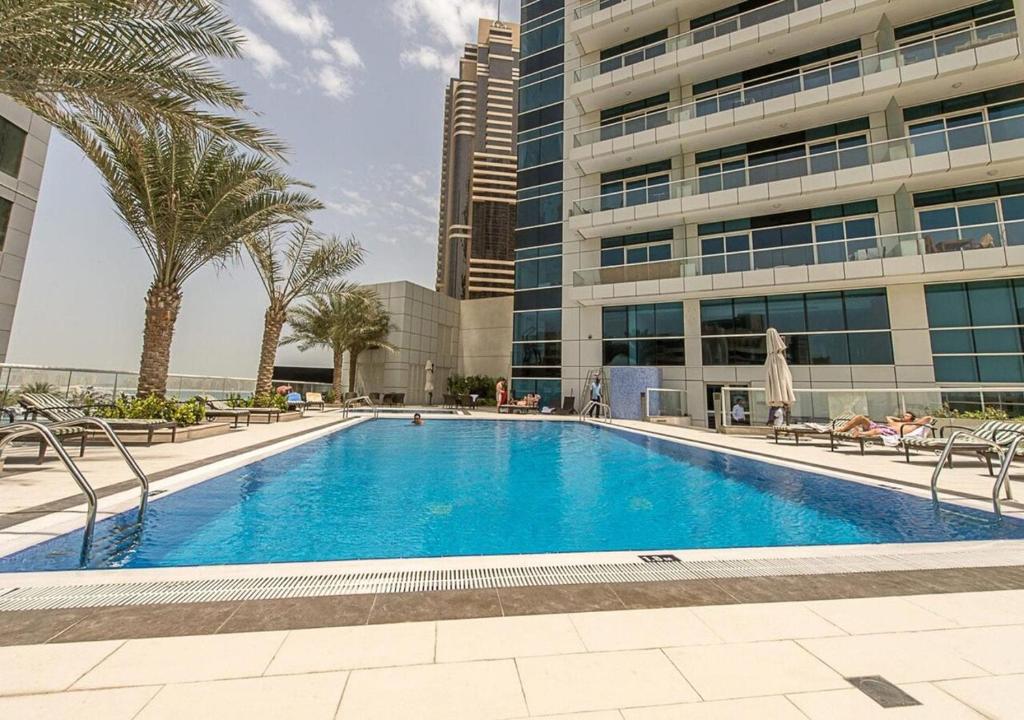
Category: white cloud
[346,53]
[311,26]
[429,59]
[439,28]
[265,56]
[335,58]
[334,83]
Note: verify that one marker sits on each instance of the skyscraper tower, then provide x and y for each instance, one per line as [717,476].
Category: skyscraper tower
[477,219]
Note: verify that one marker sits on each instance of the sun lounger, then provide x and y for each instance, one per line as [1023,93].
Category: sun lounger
[808,429]
[980,441]
[56,409]
[315,400]
[224,410]
[61,433]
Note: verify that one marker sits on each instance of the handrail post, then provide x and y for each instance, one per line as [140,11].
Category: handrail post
[1003,477]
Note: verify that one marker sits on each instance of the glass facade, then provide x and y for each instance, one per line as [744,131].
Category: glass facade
[5,218]
[643,334]
[636,248]
[978,216]
[537,322]
[976,331]
[825,328]
[12,146]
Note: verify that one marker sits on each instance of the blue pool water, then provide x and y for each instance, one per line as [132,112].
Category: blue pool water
[385,489]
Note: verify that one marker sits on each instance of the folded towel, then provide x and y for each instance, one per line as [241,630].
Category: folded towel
[894,440]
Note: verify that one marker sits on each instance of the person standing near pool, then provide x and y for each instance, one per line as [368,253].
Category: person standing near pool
[501,392]
[595,395]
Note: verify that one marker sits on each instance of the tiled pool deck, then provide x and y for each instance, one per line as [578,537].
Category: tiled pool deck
[758,647]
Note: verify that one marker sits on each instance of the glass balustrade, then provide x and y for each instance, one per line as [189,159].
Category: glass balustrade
[924,144]
[803,80]
[590,8]
[920,242]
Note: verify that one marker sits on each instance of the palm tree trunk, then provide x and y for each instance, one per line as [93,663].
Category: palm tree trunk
[339,356]
[273,323]
[162,306]
[353,357]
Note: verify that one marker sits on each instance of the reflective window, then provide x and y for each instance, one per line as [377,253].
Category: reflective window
[12,146]
[643,334]
[977,331]
[5,219]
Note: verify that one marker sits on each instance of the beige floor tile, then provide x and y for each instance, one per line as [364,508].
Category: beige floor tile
[185,659]
[776,621]
[601,681]
[765,708]
[722,672]
[351,648]
[899,657]
[999,650]
[1001,607]
[310,697]
[998,698]
[600,715]
[640,629]
[852,704]
[112,704]
[495,638]
[48,668]
[485,690]
[871,616]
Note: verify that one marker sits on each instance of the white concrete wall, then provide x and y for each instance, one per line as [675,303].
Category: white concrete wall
[23,191]
[485,333]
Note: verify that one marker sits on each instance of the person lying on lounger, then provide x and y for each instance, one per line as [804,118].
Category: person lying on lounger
[862,425]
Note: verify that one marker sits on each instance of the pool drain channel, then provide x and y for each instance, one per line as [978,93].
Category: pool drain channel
[329,584]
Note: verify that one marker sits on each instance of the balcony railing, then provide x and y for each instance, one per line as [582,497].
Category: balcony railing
[694,37]
[919,242]
[804,80]
[592,7]
[924,144]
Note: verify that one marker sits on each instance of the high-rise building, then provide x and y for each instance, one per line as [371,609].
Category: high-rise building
[24,138]
[692,172]
[478,170]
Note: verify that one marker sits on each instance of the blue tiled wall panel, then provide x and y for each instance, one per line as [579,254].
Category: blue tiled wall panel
[626,384]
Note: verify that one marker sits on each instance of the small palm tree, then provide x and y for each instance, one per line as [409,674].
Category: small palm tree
[308,264]
[191,198]
[70,59]
[351,322]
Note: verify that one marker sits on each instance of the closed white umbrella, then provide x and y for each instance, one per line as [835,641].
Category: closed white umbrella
[778,380]
[428,384]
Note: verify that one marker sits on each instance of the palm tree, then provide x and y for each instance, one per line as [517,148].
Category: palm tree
[309,264]
[71,59]
[191,198]
[350,322]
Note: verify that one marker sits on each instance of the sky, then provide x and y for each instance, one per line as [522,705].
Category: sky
[356,89]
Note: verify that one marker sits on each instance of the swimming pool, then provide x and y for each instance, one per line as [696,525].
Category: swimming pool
[386,489]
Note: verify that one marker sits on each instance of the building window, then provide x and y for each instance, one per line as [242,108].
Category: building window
[643,335]
[976,331]
[636,185]
[549,390]
[5,218]
[977,16]
[539,267]
[634,51]
[838,233]
[967,218]
[537,325]
[969,121]
[12,146]
[636,248]
[827,328]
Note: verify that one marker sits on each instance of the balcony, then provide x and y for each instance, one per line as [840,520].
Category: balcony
[725,47]
[602,23]
[956,156]
[975,59]
[983,248]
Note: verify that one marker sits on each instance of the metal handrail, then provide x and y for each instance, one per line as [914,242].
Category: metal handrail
[349,405]
[24,428]
[989,444]
[1004,472]
[120,446]
[607,410]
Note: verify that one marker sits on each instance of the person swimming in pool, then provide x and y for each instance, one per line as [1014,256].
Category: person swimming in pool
[417,419]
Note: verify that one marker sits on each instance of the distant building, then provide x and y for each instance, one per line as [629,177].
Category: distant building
[24,138]
[475,257]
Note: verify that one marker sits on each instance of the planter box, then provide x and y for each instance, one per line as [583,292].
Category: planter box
[675,421]
[184,434]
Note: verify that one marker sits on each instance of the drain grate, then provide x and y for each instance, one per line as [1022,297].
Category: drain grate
[882,691]
[385,581]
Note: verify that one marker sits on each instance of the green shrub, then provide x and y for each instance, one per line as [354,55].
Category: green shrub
[189,412]
[481,385]
[990,413]
[270,400]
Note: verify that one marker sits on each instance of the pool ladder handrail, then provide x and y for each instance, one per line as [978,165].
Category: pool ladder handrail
[1006,453]
[348,405]
[605,411]
[24,428]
